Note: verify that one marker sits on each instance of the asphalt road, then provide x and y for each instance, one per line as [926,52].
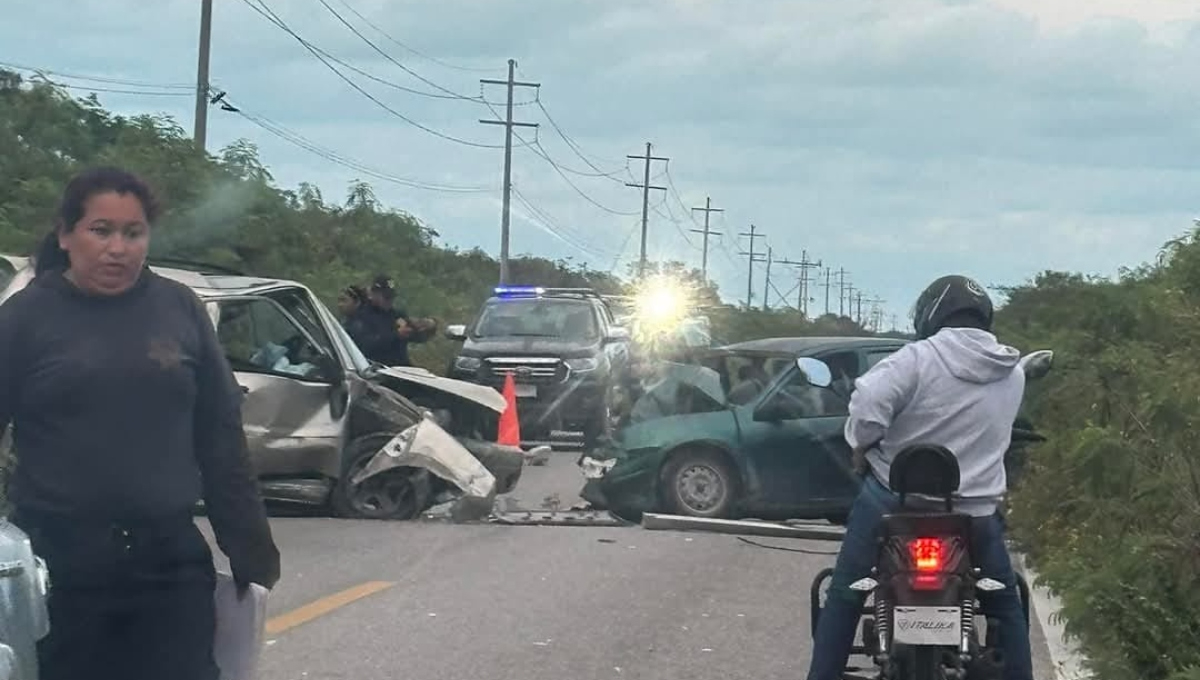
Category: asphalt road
[438,601]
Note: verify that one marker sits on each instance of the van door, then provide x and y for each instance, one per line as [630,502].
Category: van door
[289,382]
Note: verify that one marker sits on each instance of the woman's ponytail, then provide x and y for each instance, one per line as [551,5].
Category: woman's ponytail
[49,256]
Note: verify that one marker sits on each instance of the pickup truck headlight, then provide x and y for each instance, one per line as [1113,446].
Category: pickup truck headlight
[467,364]
[582,365]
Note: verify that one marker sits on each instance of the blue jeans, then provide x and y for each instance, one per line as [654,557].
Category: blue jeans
[838,623]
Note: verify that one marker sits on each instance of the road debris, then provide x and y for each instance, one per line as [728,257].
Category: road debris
[553,518]
[538,456]
[820,532]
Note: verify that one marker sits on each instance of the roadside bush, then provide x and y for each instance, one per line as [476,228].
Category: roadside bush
[1109,508]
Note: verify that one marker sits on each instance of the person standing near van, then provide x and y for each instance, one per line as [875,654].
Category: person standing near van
[387,331]
[352,303]
[125,413]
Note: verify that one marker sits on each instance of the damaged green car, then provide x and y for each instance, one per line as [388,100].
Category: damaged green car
[738,431]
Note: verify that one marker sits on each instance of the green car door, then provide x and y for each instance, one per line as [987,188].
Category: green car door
[793,441]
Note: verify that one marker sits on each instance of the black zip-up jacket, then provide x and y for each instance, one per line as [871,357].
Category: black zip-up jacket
[378,338]
[124,408]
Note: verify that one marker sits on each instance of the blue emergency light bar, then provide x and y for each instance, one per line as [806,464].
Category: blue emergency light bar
[519,291]
[538,291]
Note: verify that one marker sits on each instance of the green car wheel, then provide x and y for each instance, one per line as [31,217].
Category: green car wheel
[700,483]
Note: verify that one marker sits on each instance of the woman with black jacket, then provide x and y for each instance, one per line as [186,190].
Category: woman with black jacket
[125,413]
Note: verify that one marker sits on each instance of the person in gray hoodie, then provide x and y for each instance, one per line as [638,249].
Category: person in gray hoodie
[957,386]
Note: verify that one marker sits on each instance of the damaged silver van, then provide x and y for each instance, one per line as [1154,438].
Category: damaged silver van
[328,428]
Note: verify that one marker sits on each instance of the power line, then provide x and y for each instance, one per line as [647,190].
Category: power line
[387,56]
[302,142]
[410,49]
[109,90]
[281,24]
[271,17]
[540,151]
[624,246]
[575,147]
[675,221]
[555,228]
[97,79]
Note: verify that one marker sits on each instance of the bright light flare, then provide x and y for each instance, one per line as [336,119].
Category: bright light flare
[661,304]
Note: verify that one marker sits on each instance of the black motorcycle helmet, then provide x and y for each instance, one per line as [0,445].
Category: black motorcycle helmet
[952,301]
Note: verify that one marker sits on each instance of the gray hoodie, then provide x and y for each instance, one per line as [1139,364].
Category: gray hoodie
[960,389]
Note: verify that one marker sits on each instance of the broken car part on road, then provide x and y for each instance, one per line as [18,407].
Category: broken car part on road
[745,527]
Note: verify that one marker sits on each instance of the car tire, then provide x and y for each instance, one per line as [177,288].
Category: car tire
[400,493]
[700,483]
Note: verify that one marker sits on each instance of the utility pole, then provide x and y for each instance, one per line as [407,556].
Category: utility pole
[704,258]
[767,283]
[842,288]
[753,234]
[200,129]
[827,285]
[805,264]
[797,263]
[508,124]
[877,313]
[859,314]
[645,186]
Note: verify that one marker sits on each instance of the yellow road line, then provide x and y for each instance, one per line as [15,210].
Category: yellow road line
[323,606]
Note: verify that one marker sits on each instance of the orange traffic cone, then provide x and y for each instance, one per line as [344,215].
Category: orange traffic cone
[510,426]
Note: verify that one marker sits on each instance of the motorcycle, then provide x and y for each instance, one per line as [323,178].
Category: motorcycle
[919,622]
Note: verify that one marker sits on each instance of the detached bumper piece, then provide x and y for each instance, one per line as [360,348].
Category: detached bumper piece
[561,518]
[559,440]
[812,532]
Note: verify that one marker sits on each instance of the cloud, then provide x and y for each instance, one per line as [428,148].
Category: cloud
[898,139]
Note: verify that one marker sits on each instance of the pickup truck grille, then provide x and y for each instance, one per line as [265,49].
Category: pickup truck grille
[532,371]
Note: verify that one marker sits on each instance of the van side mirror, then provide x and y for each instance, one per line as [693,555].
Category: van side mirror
[456,332]
[331,370]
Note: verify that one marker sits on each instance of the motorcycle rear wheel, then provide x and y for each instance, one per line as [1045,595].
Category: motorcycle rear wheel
[924,663]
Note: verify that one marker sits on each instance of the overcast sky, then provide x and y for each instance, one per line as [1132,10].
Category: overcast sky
[900,139]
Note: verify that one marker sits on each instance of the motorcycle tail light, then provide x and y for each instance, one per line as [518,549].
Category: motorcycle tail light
[927,554]
[928,558]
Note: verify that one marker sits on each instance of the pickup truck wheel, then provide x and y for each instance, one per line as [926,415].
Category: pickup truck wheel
[700,483]
[399,493]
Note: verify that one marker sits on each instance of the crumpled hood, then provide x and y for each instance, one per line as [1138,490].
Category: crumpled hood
[974,355]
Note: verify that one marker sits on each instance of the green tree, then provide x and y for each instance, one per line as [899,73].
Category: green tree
[1109,507]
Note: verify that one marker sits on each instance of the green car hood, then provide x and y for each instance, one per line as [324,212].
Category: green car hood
[662,434]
